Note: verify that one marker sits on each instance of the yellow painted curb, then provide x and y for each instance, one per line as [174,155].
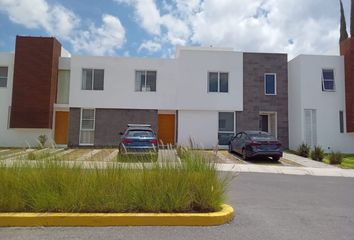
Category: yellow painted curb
[117,219]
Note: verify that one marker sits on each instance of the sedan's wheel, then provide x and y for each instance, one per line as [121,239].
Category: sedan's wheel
[244,156]
[275,159]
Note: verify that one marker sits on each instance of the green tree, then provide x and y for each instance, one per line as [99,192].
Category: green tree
[343,26]
[352,19]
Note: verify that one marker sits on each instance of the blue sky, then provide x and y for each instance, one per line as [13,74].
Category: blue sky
[152,28]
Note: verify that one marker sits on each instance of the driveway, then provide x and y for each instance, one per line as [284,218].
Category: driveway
[268,206]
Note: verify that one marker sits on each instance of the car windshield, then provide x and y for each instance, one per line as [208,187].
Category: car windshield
[139,133]
[261,137]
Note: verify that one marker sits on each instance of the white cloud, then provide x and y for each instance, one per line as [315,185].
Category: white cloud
[103,40]
[150,46]
[293,26]
[63,23]
[55,19]
[146,13]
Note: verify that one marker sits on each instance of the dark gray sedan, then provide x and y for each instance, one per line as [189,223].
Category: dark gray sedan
[256,143]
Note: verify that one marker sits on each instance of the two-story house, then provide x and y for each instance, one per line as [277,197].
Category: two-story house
[202,94]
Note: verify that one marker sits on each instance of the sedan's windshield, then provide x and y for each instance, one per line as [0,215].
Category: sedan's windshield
[139,133]
[261,137]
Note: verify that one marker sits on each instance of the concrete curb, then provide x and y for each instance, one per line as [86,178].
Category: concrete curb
[225,215]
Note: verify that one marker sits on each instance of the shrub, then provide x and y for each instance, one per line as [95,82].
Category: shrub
[317,153]
[194,185]
[303,150]
[42,139]
[335,157]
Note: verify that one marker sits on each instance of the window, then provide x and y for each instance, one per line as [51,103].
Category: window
[87,126]
[328,80]
[145,81]
[218,82]
[270,84]
[341,122]
[3,76]
[92,79]
[63,87]
[226,127]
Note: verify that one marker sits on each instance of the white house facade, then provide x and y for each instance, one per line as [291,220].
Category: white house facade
[317,106]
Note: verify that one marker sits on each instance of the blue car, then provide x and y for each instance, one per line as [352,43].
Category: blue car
[138,138]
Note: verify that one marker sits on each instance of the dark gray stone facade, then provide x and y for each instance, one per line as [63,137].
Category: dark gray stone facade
[109,123]
[74,127]
[255,65]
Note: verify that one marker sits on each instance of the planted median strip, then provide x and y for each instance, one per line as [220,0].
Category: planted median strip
[53,193]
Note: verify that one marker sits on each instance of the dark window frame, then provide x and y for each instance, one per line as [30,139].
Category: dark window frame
[323,80]
[93,79]
[265,84]
[218,89]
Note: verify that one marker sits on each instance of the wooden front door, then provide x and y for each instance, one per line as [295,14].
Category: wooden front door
[166,128]
[61,127]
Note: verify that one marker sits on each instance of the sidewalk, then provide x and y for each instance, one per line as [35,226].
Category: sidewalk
[313,171]
[305,161]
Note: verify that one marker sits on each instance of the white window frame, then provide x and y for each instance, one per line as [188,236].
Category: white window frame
[93,129]
[265,84]
[145,71]
[218,90]
[323,80]
[233,132]
[7,77]
[93,78]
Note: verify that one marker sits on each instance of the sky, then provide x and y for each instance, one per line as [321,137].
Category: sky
[152,28]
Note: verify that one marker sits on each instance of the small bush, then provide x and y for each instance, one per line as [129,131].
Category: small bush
[42,139]
[317,154]
[335,157]
[303,150]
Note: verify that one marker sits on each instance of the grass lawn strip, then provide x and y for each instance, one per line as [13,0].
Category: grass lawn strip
[111,156]
[88,155]
[75,154]
[19,155]
[348,161]
[9,153]
[102,155]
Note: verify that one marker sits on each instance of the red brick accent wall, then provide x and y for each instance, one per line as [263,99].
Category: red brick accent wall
[347,50]
[34,82]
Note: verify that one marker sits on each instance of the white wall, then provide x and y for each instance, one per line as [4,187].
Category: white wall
[200,126]
[182,83]
[14,137]
[193,68]
[119,83]
[308,68]
[296,136]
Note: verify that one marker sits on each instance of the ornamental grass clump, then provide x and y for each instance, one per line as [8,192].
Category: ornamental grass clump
[303,150]
[193,185]
[335,157]
[317,154]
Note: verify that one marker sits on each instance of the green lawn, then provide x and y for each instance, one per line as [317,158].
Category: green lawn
[348,161]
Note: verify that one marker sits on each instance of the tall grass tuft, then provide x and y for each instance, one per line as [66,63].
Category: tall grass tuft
[303,150]
[317,154]
[54,186]
[335,157]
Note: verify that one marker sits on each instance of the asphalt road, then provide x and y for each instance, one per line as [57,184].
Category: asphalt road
[269,206]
